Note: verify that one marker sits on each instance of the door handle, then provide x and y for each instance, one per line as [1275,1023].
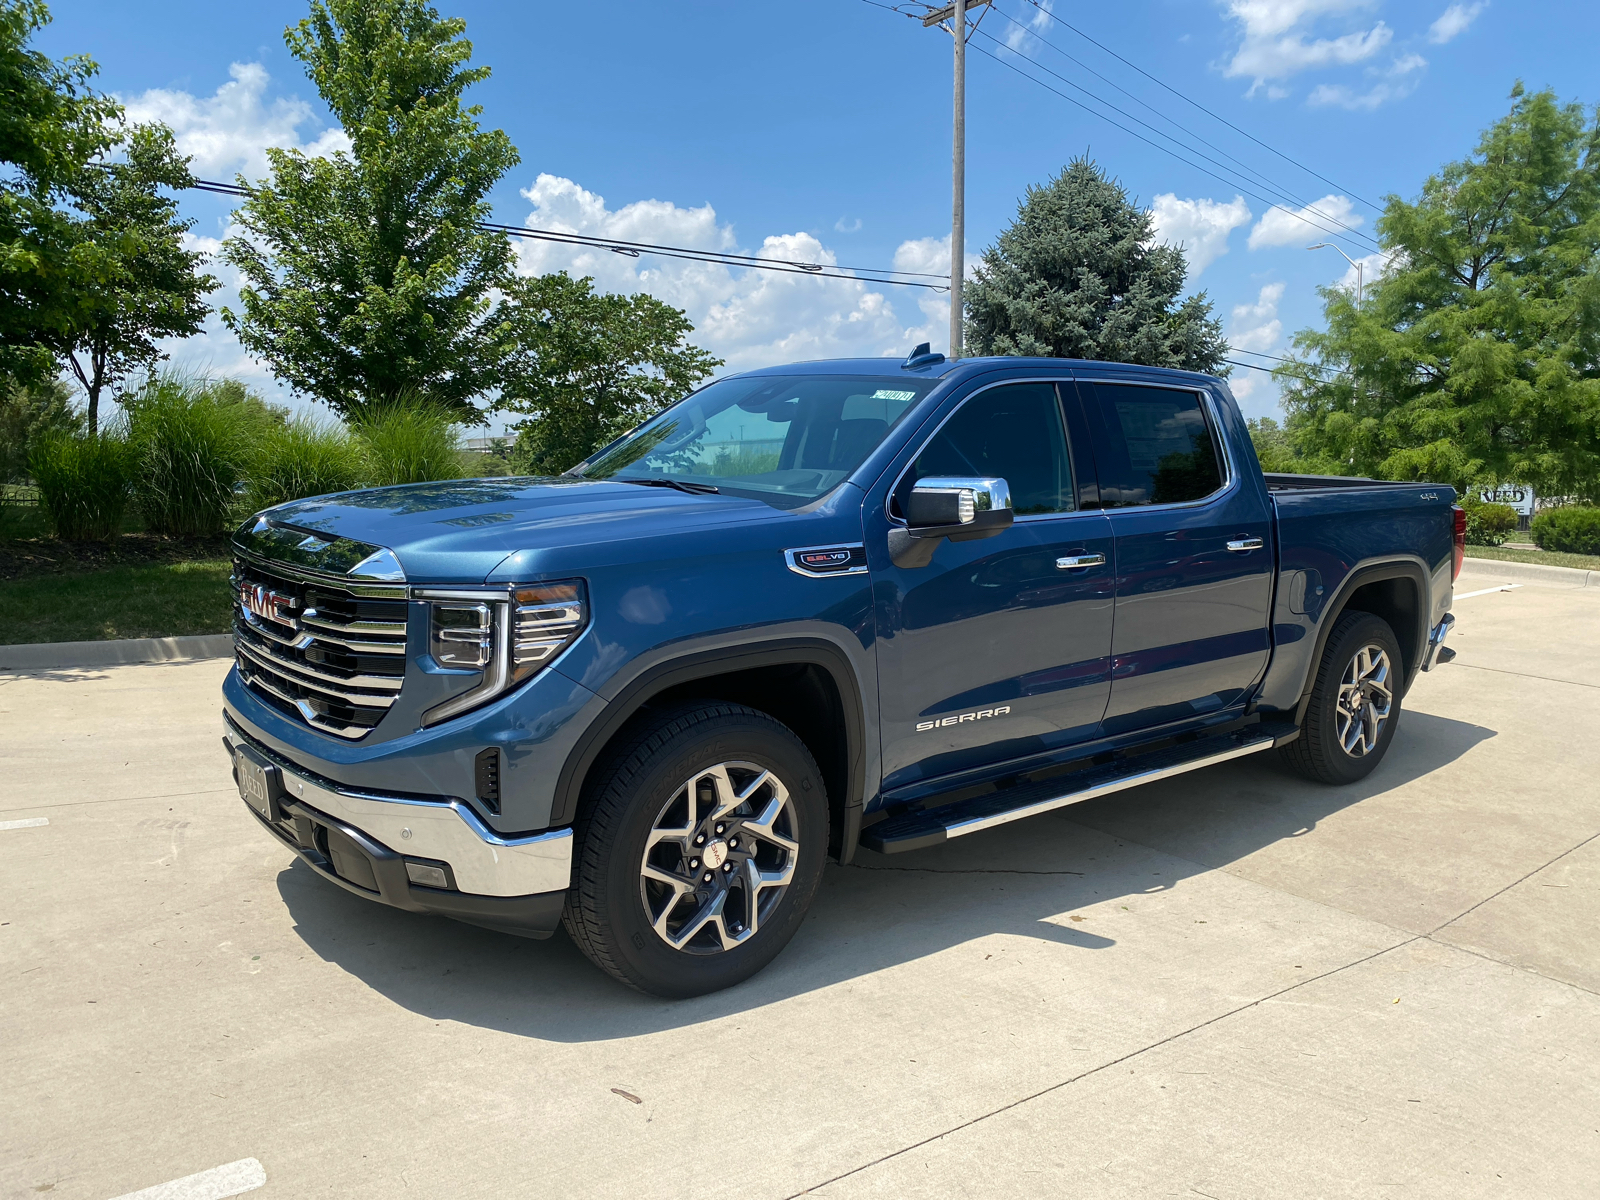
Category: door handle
[1077,562]
[1245,545]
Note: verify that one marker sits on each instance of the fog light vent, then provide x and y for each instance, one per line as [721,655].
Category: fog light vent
[486,775]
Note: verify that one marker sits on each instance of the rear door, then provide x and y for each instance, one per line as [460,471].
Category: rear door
[1193,551]
[999,647]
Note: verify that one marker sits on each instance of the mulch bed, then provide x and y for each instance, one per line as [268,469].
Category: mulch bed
[27,557]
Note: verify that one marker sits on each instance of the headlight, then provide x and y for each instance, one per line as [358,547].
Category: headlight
[506,635]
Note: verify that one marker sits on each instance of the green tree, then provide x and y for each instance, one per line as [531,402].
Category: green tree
[594,366]
[146,286]
[1079,274]
[1475,356]
[28,413]
[52,126]
[366,276]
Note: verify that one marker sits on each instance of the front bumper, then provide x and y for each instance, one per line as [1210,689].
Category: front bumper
[516,885]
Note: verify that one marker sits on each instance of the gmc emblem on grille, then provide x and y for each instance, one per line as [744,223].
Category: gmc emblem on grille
[268,604]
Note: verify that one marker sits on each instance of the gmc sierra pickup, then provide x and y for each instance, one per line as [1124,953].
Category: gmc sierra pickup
[807,610]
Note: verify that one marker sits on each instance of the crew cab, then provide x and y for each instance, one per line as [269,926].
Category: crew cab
[810,611]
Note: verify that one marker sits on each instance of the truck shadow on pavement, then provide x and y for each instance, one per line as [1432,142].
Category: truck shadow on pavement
[1026,880]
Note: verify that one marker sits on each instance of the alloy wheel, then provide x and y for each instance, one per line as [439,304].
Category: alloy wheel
[718,858]
[1366,699]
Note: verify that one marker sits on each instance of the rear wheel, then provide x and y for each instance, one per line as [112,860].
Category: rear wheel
[1355,703]
[700,850]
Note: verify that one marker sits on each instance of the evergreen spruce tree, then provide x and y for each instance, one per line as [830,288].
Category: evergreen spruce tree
[1079,274]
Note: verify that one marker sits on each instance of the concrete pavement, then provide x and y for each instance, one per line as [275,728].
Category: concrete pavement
[1232,984]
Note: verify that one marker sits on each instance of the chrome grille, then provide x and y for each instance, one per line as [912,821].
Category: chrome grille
[331,653]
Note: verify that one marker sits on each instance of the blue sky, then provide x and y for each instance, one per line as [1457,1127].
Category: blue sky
[822,132]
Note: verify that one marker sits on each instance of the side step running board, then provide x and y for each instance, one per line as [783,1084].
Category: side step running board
[929,827]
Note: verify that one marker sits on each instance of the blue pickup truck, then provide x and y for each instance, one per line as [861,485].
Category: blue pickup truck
[805,611]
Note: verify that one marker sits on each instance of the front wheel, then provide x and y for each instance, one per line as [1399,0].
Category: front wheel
[699,850]
[1355,703]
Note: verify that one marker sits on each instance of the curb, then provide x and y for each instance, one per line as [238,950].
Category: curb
[1570,577]
[53,655]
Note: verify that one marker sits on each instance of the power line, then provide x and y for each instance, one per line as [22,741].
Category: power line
[1246,188]
[1260,177]
[635,249]
[1202,107]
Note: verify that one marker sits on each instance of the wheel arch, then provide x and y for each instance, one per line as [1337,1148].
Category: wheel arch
[809,684]
[1397,591]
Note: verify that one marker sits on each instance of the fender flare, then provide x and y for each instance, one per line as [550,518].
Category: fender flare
[1368,572]
[638,692]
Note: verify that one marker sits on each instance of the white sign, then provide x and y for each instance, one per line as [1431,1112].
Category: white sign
[1518,496]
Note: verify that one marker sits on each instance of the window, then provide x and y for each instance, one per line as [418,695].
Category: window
[1012,433]
[1160,450]
[783,439]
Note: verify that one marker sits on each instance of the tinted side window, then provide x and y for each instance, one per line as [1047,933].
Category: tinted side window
[1013,433]
[1160,451]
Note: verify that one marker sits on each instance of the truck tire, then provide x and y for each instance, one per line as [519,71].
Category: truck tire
[1355,703]
[699,849]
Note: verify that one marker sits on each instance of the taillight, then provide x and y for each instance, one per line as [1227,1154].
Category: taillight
[1461,541]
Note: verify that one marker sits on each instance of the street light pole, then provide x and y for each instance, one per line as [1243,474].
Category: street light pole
[1360,288]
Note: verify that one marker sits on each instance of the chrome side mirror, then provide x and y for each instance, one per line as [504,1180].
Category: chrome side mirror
[957,507]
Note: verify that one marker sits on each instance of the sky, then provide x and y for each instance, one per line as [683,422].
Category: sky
[821,133]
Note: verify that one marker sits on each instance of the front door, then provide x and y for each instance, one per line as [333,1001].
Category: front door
[1194,557]
[1000,647]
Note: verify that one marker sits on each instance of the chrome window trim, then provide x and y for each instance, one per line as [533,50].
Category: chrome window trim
[1230,474]
[1065,434]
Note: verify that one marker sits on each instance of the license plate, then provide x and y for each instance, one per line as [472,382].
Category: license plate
[258,782]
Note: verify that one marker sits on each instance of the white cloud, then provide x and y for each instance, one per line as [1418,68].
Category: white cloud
[1453,21]
[1018,35]
[1199,227]
[1255,327]
[1399,81]
[748,317]
[843,226]
[1276,39]
[230,130]
[1281,226]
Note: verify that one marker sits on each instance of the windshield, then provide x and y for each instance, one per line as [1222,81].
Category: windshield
[785,439]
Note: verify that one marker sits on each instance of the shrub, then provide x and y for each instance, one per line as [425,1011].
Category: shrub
[409,442]
[85,482]
[1570,530]
[304,457]
[27,416]
[193,449]
[1488,524]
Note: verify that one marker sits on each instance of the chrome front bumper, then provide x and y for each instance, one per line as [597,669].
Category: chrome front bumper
[391,829]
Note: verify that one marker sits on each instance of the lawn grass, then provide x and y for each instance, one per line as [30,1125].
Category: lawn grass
[1549,558]
[123,601]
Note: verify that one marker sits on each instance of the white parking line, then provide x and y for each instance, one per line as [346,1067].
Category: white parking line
[25,823]
[230,1179]
[1504,587]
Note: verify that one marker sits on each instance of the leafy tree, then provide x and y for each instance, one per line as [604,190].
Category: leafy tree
[146,286]
[366,276]
[596,366]
[1475,357]
[52,125]
[1079,274]
[29,413]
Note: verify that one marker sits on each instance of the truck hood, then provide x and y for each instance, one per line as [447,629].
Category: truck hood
[459,531]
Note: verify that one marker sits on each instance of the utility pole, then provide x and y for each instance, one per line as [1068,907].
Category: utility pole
[956,14]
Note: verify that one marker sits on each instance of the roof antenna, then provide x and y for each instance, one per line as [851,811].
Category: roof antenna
[922,356]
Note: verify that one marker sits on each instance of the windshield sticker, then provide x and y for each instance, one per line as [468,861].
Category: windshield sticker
[886,394]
